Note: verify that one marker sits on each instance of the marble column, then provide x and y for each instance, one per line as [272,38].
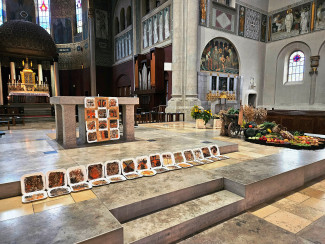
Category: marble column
[92,47]
[59,122]
[82,124]
[12,72]
[69,125]
[184,67]
[128,122]
[1,91]
[40,74]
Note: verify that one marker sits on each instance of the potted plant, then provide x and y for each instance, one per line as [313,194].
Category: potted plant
[201,116]
[216,121]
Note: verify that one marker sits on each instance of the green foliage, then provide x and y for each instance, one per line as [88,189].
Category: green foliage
[233,111]
[198,113]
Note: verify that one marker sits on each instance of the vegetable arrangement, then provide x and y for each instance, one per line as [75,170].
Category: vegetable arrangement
[270,133]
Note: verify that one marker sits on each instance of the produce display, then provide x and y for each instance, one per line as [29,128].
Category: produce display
[270,133]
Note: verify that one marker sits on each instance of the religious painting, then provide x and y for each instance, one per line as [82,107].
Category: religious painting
[115,134]
[102,113]
[103,135]
[214,150]
[101,102]
[263,28]
[206,152]
[90,102]
[167,159]
[92,137]
[320,15]
[62,30]
[241,27]
[252,24]
[291,22]
[189,155]
[91,125]
[56,179]
[166,22]
[21,10]
[113,113]
[113,123]
[142,163]
[101,24]
[102,124]
[33,187]
[198,154]
[34,183]
[90,114]
[203,12]
[219,55]
[128,166]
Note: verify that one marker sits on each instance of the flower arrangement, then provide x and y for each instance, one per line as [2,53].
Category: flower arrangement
[200,113]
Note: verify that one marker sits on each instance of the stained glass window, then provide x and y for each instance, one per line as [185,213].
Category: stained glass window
[44,14]
[296,66]
[79,16]
[1,12]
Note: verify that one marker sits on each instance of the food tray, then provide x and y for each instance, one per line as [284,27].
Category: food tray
[222,157]
[95,171]
[189,157]
[116,178]
[195,163]
[206,161]
[142,163]
[33,187]
[198,154]
[214,150]
[132,176]
[57,183]
[99,182]
[206,152]
[173,167]
[128,166]
[156,163]
[179,157]
[147,172]
[34,196]
[214,159]
[160,170]
[185,165]
[77,178]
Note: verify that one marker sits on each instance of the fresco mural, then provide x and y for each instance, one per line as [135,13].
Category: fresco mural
[203,12]
[320,15]
[21,10]
[291,22]
[219,55]
[101,24]
[263,28]
[62,30]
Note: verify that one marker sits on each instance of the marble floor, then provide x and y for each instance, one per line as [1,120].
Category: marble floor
[297,217]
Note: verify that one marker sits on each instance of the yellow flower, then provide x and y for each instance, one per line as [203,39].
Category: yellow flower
[195,110]
[269,130]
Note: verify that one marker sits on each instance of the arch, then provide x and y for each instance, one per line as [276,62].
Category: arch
[296,64]
[122,19]
[128,16]
[220,55]
[321,46]
[294,46]
[116,26]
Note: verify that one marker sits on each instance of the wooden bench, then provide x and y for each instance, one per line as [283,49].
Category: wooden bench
[5,122]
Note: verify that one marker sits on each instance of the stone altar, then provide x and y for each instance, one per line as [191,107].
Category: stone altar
[66,122]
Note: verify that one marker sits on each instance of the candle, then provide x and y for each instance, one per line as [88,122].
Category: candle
[9,77]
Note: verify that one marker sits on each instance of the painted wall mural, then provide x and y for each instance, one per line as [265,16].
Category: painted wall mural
[101,24]
[203,12]
[263,28]
[21,10]
[223,18]
[219,55]
[241,27]
[62,30]
[252,24]
[291,22]
[320,15]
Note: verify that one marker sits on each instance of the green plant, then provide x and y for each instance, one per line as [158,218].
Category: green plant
[206,115]
[196,112]
[233,111]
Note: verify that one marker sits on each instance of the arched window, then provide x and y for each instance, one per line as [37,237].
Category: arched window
[1,12]
[44,14]
[117,26]
[122,19]
[128,16]
[296,66]
[79,16]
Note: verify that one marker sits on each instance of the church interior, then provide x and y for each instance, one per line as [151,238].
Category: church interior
[162,121]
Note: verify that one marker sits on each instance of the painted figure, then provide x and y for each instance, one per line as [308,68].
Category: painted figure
[150,32]
[155,30]
[278,22]
[166,23]
[145,42]
[203,11]
[289,20]
[161,26]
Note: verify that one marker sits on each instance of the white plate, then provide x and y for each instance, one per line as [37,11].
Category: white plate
[88,186]
[152,170]
[187,164]
[114,176]
[99,179]
[24,200]
[67,188]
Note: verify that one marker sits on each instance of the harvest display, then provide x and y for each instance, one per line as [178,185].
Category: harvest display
[270,133]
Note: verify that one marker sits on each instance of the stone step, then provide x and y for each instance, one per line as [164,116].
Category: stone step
[134,198]
[180,221]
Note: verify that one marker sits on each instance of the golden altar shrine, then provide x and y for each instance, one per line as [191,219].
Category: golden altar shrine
[27,85]
[231,96]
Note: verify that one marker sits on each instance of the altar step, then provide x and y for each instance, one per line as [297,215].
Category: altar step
[37,112]
[177,222]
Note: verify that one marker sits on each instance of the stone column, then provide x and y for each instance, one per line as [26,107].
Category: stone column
[82,124]
[69,125]
[56,79]
[313,75]
[92,47]
[58,122]
[1,91]
[40,74]
[12,72]
[184,71]
[128,122]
